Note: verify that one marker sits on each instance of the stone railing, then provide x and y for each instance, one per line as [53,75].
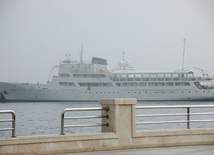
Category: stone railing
[120,134]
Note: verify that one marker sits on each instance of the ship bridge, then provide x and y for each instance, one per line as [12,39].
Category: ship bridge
[95,66]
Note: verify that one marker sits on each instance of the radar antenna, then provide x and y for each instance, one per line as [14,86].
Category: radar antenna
[124,65]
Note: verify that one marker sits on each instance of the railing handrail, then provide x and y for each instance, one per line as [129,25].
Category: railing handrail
[175,106]
[86,117]
[85,109]
[82,117]
[13,120]
[188,114]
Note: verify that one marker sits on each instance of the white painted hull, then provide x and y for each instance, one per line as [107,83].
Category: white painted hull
[36,92]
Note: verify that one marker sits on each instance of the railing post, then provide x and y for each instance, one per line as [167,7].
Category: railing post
[62,123]
[121,118]
[13,120]
[14,125]
[188,118]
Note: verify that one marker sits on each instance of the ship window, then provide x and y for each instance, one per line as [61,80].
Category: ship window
[130,77]
[66,83]
[145,77]
[187,84]
[89,75]
[198,85]
[191,76]
[169,84]
[129,84]
[64,75]
[168,77]
[176,77]
[182,83]
[82,84]
[109,85]
[115,77]
[95,84]
[183,77]
[152,84]
[98,75]
[142,84]
[153,77]
[79,75]
[137,77]
[118,84]
[123,77]
[160,77]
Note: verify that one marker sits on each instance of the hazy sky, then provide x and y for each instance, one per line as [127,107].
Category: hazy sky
[35,34]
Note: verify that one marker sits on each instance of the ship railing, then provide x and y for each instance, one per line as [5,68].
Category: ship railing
[13,120]
[63,118]
[188,114]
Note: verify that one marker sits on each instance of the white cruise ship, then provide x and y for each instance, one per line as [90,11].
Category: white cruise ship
[81,81]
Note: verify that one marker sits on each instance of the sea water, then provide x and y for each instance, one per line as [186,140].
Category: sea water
[44,118]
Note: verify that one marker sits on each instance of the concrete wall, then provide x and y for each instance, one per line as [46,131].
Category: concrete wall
[121,134]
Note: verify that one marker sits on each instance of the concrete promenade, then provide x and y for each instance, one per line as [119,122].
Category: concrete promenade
[180,150]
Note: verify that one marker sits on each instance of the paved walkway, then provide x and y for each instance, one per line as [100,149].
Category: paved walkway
[181,150]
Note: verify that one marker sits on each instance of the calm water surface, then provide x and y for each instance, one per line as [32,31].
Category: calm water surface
[44,118]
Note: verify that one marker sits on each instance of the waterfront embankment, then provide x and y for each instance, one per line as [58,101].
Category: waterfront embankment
[120,134]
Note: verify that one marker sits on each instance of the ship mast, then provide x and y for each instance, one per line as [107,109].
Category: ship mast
[183,53]
[123,61]
[81,55]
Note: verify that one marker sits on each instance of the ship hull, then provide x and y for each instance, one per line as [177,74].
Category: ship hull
[47,93]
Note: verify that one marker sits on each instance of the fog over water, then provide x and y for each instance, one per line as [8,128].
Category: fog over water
[35,34]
